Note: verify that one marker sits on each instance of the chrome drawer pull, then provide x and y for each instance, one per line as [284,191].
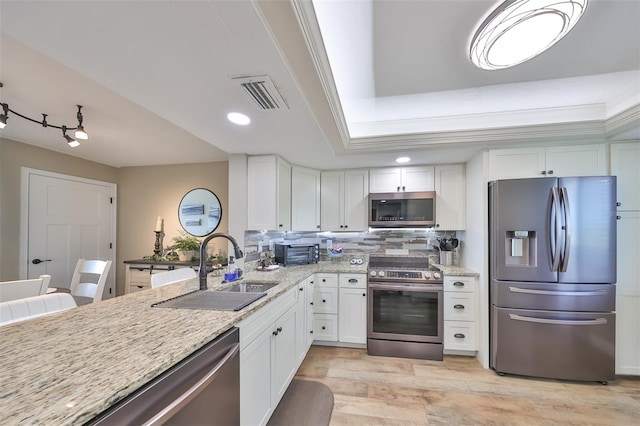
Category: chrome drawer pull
[597,321]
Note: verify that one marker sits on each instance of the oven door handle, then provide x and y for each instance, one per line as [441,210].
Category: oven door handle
[404,287]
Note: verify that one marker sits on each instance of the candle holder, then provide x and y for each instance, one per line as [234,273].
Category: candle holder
[157,248]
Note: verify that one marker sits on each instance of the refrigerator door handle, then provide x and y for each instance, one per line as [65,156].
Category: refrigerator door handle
[555,249]
[596,321]
[556,293]
[567,232]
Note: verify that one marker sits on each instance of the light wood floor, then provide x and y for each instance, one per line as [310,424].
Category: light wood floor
[458,391]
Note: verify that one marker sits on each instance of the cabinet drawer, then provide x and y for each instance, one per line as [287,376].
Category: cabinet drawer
[326,280]
[133,287]
[325,300]
[139,276]
[460,335]
[353,281]
[460,306]
[325,327]
[466,284]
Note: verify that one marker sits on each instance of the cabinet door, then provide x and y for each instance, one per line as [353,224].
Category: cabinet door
[516,163]
[255,381]
[579,160]
[332,201]
[352,319]
[627,336]
[283,354]
[325,300]
[417,178]
[625,158]
[262,192]
[283,196]
[450,197]
[301,323]
[305,199]
[385,180]
[356,197]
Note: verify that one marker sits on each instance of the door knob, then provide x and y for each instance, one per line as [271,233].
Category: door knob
[38,261]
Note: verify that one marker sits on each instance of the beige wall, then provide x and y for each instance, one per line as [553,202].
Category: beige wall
[144,193]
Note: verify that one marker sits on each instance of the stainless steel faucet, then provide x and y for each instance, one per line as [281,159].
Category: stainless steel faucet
[202,271]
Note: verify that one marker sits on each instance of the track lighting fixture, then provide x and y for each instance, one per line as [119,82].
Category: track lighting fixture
[73,142]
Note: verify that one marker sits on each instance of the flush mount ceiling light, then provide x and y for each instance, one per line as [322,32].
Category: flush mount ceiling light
[518,30]
[403,159]
[79,129]
[238,118]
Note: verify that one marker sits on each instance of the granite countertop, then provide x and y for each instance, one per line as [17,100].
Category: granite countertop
[67,367]
[456,271]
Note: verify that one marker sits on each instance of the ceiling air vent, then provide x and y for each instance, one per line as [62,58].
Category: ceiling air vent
[263,92]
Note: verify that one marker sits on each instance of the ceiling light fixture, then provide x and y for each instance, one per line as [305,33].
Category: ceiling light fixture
[238,118]
[79,129]
[519,30]
[403,159]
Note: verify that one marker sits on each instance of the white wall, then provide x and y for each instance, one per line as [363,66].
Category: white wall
[475,254]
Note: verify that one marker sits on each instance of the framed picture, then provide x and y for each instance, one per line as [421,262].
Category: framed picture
[192,222]
[192,209]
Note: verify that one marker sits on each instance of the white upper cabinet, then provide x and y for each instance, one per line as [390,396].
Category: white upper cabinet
[625,163]
[561,161]
[268,193]
[305,199]
[397,179]
[450,197]
[343,200]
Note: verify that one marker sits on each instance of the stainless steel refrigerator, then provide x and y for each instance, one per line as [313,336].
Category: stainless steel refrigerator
[553,272]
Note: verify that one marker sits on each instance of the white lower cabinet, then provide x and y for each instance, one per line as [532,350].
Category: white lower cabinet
[340,308]
[304,329]
[460,313]
[267,357]
[352,316]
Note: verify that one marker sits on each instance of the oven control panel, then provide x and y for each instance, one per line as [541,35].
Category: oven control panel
[406,275]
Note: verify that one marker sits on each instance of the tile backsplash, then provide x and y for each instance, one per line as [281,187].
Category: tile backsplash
[354,244]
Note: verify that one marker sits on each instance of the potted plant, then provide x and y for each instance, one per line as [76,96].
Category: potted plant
[186,245]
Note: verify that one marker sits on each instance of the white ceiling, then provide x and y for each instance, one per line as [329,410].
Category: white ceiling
[156,80]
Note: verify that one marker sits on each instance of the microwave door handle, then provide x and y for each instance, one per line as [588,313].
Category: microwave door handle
[567,232]
[554,235]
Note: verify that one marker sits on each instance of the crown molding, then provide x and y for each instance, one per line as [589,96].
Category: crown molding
[627,120]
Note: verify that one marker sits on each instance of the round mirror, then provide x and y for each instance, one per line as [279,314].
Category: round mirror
[200,212]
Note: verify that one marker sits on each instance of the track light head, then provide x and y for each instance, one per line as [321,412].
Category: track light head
[4,116]
[80,133]
[71,141]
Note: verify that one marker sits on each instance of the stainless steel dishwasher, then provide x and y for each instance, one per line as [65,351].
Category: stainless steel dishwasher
[202,389]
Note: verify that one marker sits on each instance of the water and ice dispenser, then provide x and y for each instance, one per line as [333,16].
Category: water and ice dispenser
[520,248]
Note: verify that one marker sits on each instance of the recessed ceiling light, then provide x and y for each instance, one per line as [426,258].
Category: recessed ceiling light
[519,30]
[238,118]
[403,159]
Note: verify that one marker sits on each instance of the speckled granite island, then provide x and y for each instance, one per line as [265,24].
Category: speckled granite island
[66,368]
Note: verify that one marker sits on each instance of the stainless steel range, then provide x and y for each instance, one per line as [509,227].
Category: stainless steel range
[405,315]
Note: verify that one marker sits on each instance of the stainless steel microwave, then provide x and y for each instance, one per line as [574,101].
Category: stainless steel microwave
[296,253]
[402,209]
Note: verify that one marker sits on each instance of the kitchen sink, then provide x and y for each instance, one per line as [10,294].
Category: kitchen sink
[251,287]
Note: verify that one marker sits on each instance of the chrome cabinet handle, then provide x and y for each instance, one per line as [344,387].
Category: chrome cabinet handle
[595,321]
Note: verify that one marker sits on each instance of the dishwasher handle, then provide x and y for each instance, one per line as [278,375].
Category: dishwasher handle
[177,404]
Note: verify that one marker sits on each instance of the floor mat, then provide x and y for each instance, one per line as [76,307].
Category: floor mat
[304,403]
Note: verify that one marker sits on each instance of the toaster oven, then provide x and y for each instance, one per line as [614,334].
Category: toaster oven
[287,254]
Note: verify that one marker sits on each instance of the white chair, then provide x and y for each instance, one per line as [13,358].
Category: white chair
[81,286]
[13,290]
[174,276]
[33,307]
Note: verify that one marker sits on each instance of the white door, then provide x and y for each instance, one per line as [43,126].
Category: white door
[67,218]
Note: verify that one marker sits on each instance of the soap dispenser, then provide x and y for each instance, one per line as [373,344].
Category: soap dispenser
[231,274]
